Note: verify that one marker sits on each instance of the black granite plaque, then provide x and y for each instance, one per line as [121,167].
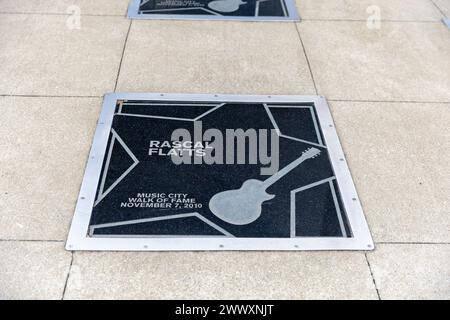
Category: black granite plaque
[214,9]
[142,192]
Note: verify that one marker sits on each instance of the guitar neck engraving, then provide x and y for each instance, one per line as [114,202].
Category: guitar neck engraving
[310,153]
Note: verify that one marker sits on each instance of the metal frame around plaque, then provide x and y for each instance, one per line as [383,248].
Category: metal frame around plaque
[79,238]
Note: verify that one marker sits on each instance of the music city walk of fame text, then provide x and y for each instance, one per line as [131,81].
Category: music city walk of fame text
[161,200]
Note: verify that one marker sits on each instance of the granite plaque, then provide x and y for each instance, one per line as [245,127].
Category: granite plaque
[217,172]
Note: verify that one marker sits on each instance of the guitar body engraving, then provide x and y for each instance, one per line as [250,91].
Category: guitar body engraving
[226,6]
[241,206]
[244,205]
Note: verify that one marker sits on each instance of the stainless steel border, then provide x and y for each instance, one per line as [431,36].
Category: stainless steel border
[133,13]
[78,236]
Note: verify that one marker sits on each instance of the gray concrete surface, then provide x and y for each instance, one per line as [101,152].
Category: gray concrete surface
[388,88]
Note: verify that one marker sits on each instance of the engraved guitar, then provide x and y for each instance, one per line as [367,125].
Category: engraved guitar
[226,6]
[243,206]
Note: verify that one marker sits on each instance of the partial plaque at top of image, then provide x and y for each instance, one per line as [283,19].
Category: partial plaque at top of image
[249,10]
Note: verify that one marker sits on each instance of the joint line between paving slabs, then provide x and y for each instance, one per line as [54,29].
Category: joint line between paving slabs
[60,14]
[306,57]
[123,54]
[30,240]
[414,242]
[388,101]
[303,19]
[373,278]
[439,9]
[364,20]
[45,96]
[68,275]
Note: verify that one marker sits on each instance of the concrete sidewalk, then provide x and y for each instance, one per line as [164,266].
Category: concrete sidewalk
[388,88]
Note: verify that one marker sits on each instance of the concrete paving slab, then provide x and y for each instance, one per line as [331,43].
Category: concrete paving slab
[214,57]
[41,55]
[397,158]
[411,10]
[444,6]
[412,271]
[394,152]
[97,7]
[220,275]
[44,146]
[33,270]
[398,62]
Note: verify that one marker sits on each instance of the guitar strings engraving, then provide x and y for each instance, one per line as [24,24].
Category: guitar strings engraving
[244,206]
